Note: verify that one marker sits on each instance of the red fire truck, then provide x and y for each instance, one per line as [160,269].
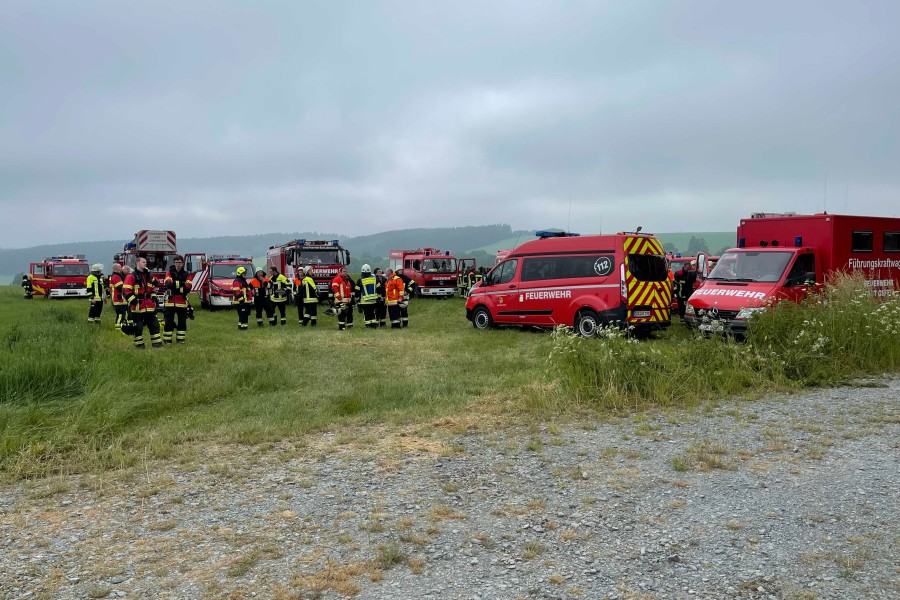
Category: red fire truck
[434,271]
[786,256]
[158,247]
[60,276]
[212,278]
[325,257]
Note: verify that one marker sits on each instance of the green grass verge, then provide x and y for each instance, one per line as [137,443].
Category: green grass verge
[76,397]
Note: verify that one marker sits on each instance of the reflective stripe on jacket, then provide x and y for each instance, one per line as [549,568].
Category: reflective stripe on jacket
[242,291]
[279,288]
[95,285]
[177,288]
[393,290]
[367,289]
[139,290]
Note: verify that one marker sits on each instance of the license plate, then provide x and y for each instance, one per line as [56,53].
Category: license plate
[640,314]
[705,327]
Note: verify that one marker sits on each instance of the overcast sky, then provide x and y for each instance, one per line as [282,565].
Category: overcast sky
[220,118]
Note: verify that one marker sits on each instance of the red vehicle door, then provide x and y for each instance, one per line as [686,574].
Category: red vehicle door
[801,278]
[502,292]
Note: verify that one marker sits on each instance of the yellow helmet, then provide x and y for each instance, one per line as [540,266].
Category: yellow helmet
[240,271]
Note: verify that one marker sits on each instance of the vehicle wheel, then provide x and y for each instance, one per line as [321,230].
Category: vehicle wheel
[481,318]
[586,323]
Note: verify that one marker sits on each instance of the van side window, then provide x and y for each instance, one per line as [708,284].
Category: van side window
[506,272]
[892,241]
[803,271]
[566,267]
[862,241]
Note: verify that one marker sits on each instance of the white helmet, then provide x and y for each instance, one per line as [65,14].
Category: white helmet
[307,270]
[366,269]
[96,267]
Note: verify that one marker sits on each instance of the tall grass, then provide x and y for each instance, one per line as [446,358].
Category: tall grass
[842,333]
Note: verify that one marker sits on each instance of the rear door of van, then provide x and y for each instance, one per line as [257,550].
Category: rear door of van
[649,293]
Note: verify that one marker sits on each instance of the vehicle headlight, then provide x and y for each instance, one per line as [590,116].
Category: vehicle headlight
[746,313]
[689,310]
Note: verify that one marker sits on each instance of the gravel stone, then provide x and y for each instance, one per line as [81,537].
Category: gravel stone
[783,497]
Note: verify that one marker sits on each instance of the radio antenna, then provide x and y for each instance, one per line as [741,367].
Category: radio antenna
[825,195]
[569,224]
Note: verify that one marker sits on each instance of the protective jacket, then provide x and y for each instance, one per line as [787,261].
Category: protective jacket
[242,291]
[140,291]
[115,284]
[342,289]
[94,285]
[177,287]
[393,290]
[260,289]
[409,286]
[278,288]
[368,289]
[307,290]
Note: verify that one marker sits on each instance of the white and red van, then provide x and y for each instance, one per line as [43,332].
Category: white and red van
[785,257]
[579,281]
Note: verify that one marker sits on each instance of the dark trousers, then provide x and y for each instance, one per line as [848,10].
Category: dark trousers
[369,316]
[148,320]
[310,313]
[121,314]
[404,316]
[344,315]
[381,313]
[281,308]
[173,314]
[394,312]
[95,310]
[243,312]
[264,305]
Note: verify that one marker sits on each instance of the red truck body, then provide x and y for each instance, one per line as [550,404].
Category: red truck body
[159,247]
[434,271]
[213,277]
[787,256]
[325,257]
[60,276]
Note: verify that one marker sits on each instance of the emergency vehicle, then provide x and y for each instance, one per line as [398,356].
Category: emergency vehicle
[325,257]
[788,256]
[435,271]
[501,255]
[677,262]
[60,276]
[158,247]
[213,277]
[579,281]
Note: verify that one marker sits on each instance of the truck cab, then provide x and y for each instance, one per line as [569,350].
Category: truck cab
[60,276]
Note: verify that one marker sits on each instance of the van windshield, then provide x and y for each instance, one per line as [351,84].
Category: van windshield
[648,267]
[763,267]
[440,265]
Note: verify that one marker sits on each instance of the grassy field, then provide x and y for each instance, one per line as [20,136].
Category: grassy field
[75,397]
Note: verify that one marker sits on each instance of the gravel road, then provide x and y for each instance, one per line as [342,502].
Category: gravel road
[784,497]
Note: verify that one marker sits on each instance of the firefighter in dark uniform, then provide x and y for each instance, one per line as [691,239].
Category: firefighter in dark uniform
[470,280]
[342,291]
[94,284]
[176,304]
[279,290]
[381,306]
[27,287]
[409,287]
[243,297]
[262,301]
[684,281]
[367,292]
[140,293]
[307,299]
[116,281]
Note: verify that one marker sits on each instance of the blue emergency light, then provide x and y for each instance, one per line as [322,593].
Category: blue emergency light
[335,242]
[300,242]
[548,233]
[742,242]
[798,241]
[678,255]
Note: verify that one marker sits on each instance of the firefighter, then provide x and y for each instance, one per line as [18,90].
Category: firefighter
[684,280]
[367,292]
[409,287]
[307,298]
[140,293]
[176,305]
[279,290]
[470,279]
[94,284]
[27,287]
[243,297]
[393,296]
[461,283]
[479,275]
[381,306]
[342,290]
[262,299]
[116,281]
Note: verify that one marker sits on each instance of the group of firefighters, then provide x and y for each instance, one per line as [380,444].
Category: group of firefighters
[377,295]
[467,279]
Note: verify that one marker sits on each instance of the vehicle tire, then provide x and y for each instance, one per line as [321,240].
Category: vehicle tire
[586,323]
[481,318]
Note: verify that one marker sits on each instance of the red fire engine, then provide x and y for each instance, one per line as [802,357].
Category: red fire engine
[787,256]
[325,257]
[212,278]
[158,247]
[60,276]
[434,271]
